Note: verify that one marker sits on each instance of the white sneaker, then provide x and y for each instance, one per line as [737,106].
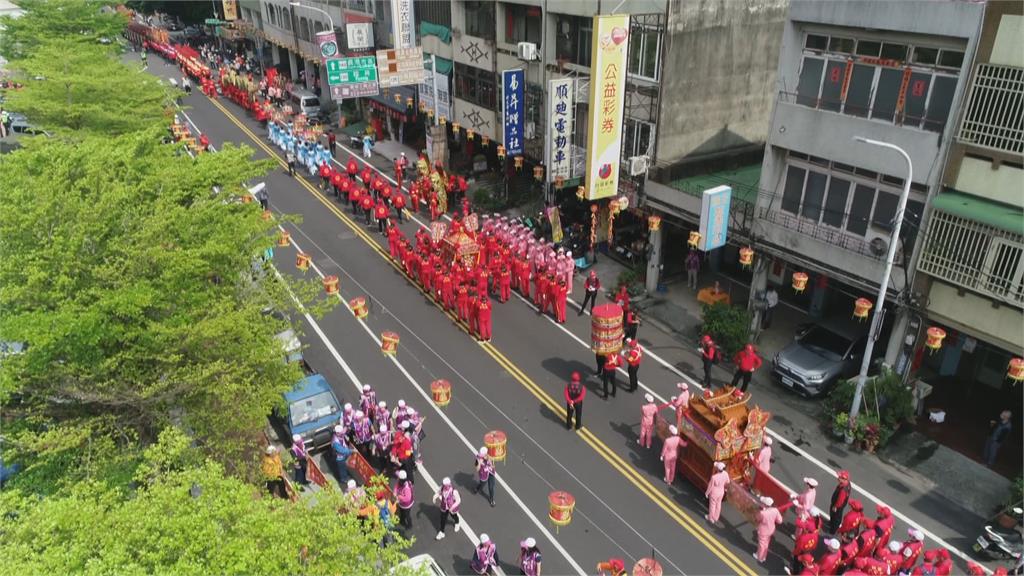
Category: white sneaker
[458,527]
[440,536]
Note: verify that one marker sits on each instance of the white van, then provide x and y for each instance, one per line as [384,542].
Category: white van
[423,565]
[305,102]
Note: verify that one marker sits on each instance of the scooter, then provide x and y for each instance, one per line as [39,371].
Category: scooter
[1000,541]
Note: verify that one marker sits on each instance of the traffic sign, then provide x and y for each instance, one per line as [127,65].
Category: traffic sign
[400,67]
[215,22]
[352,77]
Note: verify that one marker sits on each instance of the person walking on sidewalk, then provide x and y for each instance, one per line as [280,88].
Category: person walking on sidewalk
[1000,431]
[485,474]
[840,497]
[448,499]
[709,356]
[747,362]
[574,394]
[591,286]
[771,300]
[633,358]
[692,269]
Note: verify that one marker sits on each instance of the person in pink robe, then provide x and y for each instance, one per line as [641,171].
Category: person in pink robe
[670,452]
[763,458]
[648,412]
[767,519]
[805,501]
[716,492]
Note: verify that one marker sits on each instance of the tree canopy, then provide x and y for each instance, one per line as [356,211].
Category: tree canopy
[80,22]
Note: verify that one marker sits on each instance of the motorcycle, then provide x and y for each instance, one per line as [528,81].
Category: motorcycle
[1002,540]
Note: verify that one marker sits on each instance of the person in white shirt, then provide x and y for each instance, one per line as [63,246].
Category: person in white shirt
[771,300]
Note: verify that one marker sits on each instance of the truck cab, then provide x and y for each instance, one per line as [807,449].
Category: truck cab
[312,410]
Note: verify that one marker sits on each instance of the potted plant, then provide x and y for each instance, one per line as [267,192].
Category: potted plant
[840,424]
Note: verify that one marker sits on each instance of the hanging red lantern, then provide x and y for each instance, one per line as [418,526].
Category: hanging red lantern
[267,215]
[442,120]
[694,239]
[358,307]
[934,337]
[456,127]
[284,238]
[800,281]
[485,140]
[518,162]
[389,343]
[559,182]
[398,98]
[862,308]
[581,192]
[470,134]
[746,256]
[302,261]
[538,173]
[1015,371]
[441,391]
[654,223]
[501,152]
[408,102]
[331,285]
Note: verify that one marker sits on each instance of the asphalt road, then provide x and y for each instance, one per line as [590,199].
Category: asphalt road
[513,384]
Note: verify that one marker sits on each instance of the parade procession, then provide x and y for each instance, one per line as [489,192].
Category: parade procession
[488,288]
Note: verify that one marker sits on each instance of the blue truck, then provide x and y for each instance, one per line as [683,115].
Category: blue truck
[313,410]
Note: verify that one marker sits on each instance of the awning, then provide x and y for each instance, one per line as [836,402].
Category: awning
[1002,216]
[444,65]
[431,29]
[385,102]
[358,17]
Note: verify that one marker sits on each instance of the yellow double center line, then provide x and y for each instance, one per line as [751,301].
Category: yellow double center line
[695,528]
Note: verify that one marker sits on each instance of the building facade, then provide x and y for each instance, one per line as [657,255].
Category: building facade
[893,72]
[971,258]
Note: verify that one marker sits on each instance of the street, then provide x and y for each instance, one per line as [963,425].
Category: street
[514,384]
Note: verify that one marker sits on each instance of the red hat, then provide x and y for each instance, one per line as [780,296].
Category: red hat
[974,569]
[944,553]
[856,505]
[617,564]
[929,555]
[806,559]
[575,376]
[593,273]
[883,511]
[634,344]
[844,475]
[706,338]
[869,523]
[749,348]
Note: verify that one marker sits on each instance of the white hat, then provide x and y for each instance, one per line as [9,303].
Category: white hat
[483,451]
[916,534]
[405,424]
[832,543]
[719,465]
[383,427]
[767,500]
[351,484]
[530,542]
[366,387]
[683,386]
[895,546]
[484,538]
[673,430]
[811,482]
[446,481]
[271,449]
[767,440]
[339,429]
[382,404]
[348,407]
[359,414]
[402,475]
[648,397]
[401,403]
[296,437]
[412,410]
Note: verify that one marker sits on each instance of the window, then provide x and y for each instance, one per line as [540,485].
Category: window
[475,86]
[304,28]
[860,209]
[814,195]
[480,18]
[951,59]
[816,42]
[858,93]
[644,50]
[915,97]
[994,117]
[887,94]
[359,5]
[794,189]
[810,82]
[942,100]
[286,19]
[434,11]
[318,27]
[841,45]
[885,210]
[928,56]
[868,48]
[522,24]
[832,89]
[835,204]
[575,38]
[270,14]
[892,51]
[638,138]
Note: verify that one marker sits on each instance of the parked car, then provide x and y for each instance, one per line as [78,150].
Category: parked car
[312,410]
[816,359]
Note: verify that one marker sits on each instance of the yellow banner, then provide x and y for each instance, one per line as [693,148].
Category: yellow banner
[607,96]
[230,9]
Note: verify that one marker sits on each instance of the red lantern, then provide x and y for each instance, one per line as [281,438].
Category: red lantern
[799,281]
[560,508]
[1015,371]
[485,140]
[861,308]
[302,261]
[934,338]
[441,391]
[746,256]
[497,445]
[581,193]
[389,343]
[694,240]
[538,173]
[284,239]
[358,307]
[559,182]
[331,285]
[501,152]
[519,162]
[470,134]
[654,223]
[267,215]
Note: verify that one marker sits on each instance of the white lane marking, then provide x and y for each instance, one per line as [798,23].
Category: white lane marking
[451,425]
[584,485]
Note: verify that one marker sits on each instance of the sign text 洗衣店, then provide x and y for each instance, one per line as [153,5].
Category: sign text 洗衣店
[512,111]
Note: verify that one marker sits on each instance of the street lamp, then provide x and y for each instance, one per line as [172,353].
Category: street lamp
[890,257]
[331,21]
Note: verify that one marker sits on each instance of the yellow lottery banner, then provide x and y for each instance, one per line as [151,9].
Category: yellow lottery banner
[607,95]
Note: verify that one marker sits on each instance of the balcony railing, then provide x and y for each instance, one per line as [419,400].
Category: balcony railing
[819,232]
[995,109]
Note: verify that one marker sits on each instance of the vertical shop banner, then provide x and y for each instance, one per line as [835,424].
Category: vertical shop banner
[230,9]
[714,217]
[403,23]
[513,118]
[328,44]
[426,92]
[561,107]
[607,96]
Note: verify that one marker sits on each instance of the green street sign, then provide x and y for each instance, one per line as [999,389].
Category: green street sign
[215,22]
[351,70]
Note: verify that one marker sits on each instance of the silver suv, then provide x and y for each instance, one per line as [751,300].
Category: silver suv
[816,359]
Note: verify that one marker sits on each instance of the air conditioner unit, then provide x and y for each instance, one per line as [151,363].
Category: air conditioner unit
[527,51]
[638,165]
[878,241]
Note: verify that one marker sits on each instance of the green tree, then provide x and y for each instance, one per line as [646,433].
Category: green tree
[135,287]
[72,88]
[80,22]
[190,518]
